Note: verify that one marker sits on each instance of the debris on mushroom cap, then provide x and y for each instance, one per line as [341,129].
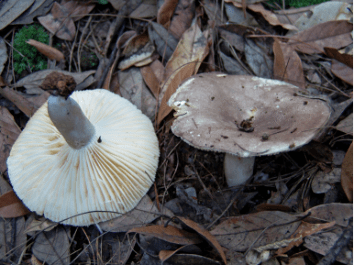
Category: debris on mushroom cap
[245,115]
[112,173]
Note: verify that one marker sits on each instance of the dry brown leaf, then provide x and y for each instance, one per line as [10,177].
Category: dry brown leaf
[11,9]
[39,224]
[144,213]
[346,59]
[346,125]
[9,131]
[239,233]
[47,50]
[347,173]
[213,11]
[205,234]
[151,80]
[182,18]
[166,254]
[270,17]
[323,182]
[168,233]
[342,71]
[163,40]
[280,72]
[293,66]
[335,34]
[147,9]
[166,12]
[11,206]
[305,229]
[77,10]
[184,62]
[28,105]
[58,22]
[338,212]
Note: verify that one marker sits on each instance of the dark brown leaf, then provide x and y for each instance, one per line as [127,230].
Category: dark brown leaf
[11,206]
[347,173]
[342,71]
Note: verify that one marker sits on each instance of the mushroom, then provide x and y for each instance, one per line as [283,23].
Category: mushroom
[244,116]
[85,159]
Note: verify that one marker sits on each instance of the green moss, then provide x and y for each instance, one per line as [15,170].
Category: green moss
[29,56]
[298,3]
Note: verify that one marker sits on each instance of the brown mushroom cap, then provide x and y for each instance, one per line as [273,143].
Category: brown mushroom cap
[245,115]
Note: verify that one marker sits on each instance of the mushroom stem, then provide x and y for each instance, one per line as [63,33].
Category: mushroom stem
[70,121]
[238,169]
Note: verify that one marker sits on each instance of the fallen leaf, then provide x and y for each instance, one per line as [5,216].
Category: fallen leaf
[28,105]
[47,50]
[257,58]
[346,125]
[33,81]
[39,8]
[236,16]
[151,80]
[3,54]
[338,212]
[11,206]
[59,23]
[335,34]
[166,11]
[327,11]
[11,9]
[53,247]
[182,17]
[133,88]
[166,254]
[184,62]
[290,69]
[305,229]
[9,131]
[147,9]
[270,17]
[232,38]
[346,59]
[322,182]
[77,10]
[168,233]
[342,71]
[12,230]
[260,229]
[39,224]
[347,173]
[164,41]
[213,12]
[144,213]
[239,3]
[231,65]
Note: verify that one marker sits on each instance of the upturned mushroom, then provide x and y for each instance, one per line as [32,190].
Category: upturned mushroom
[84,159]
[244,117]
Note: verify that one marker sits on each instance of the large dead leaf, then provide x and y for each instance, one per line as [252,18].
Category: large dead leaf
[143,214]
[33,81]
[53,247]
[151,80]
[257,58]
[39,8]
[346,125]
[185,62]
[11,230]
[11,9]
[163,40]
[335,34]
[11,206]
[305,229]
[50,52]
[133,88]
[327,11]
[232,66]
[239,233]
[166,11]
[270,17]
[59,23]
[9,131]
[147,9]
[288,65]
[342,71]
[347,173]
[338,212]
[181,17]
[206,235]
[168,233]
[28,105]
[346,59]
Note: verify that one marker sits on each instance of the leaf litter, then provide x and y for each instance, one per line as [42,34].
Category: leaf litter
[295,209]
